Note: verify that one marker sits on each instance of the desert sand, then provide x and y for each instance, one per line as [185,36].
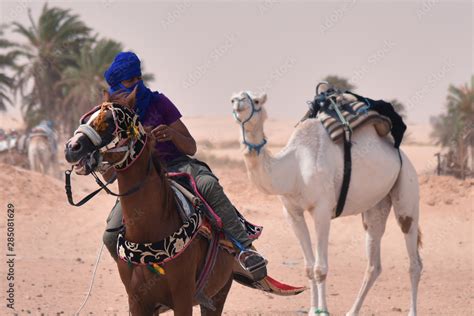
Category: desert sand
[56,244]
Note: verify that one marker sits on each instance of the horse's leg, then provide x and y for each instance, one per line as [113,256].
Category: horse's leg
[182,290]
[218,300]
[405,199]
[183,309]
[295,217]
[322,221]
[374,221]
[138,308]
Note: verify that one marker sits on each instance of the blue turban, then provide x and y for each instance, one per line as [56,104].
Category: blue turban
[126,66]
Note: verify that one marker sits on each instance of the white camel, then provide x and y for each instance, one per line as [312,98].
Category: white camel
[40,155]
[42,148]
[307,175]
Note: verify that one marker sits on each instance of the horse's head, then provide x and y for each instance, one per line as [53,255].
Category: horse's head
[108,135]
[248,108]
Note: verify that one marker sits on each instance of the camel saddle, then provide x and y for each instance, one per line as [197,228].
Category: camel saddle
[357,113]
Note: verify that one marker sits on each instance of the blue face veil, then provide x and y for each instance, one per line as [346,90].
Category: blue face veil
[126,66]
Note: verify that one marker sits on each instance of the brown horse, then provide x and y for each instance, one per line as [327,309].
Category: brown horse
[150,215]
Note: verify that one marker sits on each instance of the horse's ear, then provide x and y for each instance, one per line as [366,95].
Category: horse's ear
[105,96]
[130,99]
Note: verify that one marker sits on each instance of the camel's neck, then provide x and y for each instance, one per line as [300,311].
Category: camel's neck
[149,213]
[272,175]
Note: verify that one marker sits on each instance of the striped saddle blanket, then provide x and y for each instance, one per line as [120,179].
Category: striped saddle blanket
[356,113]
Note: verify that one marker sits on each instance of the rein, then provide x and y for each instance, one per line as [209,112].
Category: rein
[102,185]
[257,147]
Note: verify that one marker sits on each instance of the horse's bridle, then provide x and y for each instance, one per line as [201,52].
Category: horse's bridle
[257,147]
[130,133]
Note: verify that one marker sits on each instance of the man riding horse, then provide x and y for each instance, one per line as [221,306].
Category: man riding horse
[174,146]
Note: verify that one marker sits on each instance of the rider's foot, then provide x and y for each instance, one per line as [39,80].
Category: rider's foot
[254,263]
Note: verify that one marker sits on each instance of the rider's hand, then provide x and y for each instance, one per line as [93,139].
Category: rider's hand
[163,133]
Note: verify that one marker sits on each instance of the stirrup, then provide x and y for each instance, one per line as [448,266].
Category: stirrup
[253,262]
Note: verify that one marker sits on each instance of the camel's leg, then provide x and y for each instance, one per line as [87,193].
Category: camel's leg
[322,221]
[32,155]
[405,199]
[374,221]
[46,162]
[218,300]
[295,217]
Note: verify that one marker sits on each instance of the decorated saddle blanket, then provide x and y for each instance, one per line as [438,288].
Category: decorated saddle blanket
[356,113]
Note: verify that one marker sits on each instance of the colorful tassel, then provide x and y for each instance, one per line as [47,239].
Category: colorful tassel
[158,268]
[155,268]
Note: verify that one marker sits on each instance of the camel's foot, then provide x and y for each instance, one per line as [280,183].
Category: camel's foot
[412,313]
[352,313]
[316,311]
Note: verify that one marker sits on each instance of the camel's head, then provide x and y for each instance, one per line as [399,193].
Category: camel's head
[109,134]
[248,109]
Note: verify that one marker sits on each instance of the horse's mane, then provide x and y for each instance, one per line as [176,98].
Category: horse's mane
[100,123]
[117,97]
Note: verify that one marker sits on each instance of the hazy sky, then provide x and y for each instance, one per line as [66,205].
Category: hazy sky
[203,51]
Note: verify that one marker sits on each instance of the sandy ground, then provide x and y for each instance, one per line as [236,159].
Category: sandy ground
[56,244]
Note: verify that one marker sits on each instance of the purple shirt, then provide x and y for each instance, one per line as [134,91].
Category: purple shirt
[162,111]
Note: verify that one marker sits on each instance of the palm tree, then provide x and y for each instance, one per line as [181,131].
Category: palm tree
[458,121]
[461,99]
[454,129]
[51,44]
[339,83]
[7,63]
[83,82]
